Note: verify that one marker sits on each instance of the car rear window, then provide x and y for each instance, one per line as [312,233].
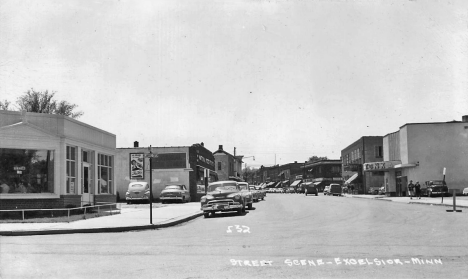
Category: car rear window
[136,185]
[173,187]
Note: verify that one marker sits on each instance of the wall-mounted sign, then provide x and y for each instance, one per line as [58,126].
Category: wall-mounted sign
[19,168]
[137,166]
[379,166]
[169,161]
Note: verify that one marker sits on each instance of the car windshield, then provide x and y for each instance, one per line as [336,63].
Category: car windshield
[173,187]
[222,186]
[243,187]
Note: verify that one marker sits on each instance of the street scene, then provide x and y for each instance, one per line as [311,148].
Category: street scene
[233,139]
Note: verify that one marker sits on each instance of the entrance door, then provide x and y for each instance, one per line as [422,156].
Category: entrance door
[404,182]
[87,196]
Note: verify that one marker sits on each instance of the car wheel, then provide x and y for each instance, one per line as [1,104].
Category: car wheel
[206,214]
[250,206]
[305,193]
[189,199]
[316,194]
[429,194]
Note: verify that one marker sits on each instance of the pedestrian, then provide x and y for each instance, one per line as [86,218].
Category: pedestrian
[417,189]
[411,189]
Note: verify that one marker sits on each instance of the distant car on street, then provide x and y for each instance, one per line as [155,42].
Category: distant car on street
[465,192]
[310,189]
[326,190]
[175,193]
[436,187]
[335,190]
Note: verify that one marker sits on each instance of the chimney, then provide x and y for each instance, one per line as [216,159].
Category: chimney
[295,162]
[135,144]
[234,151]
[220,147]
[202,144]
[465,118]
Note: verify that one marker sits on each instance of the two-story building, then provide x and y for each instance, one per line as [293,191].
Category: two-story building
[322,173]
[228,166]
[364,150]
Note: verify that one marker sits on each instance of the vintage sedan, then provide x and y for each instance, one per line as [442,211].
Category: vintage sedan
[436,187]
[310,189]
[257,195]
[247,194]
[175,193]
[261,192]
[465,192]
[137,191]
[223,196]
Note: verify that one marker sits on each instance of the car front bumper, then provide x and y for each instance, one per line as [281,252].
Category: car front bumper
[137,198]
[170,198]
[221,207]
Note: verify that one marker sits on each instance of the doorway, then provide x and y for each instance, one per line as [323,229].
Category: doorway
[87,196]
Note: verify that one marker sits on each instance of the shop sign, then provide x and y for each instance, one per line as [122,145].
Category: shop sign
[378,166]
[21,168]
[207,161]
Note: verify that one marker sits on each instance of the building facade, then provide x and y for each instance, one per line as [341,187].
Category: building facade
[364,150]
[181,165]
[421,152]
[228,166]
[322,173]
[54,161]
[289,172]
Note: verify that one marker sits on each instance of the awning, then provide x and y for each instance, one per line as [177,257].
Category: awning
[306,183]
[400,166]
[286,181]
[317,183]
[280,173]
[354,176]
[270,184]
[296,182]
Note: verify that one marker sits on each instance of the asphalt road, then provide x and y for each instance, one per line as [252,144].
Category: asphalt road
[286,236]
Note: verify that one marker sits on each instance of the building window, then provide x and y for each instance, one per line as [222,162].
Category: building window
[105,174]
[219,165]
[378,151]
[26,171]
[71,169]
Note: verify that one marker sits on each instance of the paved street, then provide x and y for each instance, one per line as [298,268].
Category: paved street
[286,236]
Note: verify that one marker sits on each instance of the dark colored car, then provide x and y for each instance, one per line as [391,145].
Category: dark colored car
[223,196]
[436,187]
[309,188]
[335,190]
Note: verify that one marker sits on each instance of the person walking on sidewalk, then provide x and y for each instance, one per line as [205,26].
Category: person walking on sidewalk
[410,189]
[417,189]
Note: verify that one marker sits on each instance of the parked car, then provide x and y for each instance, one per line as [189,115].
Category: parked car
[436,187]
[382,190]
[137,191]
[175,193]
[373,191]
[222,196]
[310,189]
[260,193]
[335,190]
[465,192]
[247,194]
[326,190]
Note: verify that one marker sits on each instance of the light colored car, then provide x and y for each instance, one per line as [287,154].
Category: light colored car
[256,194]
[175,193]
[247,194]
[262,192]
[326,191]
[137,191]
[465,192]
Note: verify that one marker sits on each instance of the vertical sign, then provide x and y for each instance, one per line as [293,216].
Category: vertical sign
[137,166]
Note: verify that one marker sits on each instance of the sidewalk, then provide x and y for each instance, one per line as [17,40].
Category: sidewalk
[461,202]
[130,219]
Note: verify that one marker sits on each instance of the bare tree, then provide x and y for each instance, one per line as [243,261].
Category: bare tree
[42,102]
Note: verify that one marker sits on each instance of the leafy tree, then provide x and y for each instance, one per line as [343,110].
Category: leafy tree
[43,102]
[316,158]
[4,105]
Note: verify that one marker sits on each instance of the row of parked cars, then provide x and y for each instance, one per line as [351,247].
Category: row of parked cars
[223,196]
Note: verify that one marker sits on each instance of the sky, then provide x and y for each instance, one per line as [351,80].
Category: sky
[280,81]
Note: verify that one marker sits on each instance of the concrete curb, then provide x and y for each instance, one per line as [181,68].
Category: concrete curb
[423,203]
[102,230]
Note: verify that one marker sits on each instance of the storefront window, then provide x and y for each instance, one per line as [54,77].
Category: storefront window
[71,170]
[105,174]
[26,171]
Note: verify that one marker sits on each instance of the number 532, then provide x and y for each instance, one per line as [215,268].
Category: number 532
[239,229]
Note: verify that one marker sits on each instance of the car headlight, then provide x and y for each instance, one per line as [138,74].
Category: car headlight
[203,199]
[127,194]
[237,197]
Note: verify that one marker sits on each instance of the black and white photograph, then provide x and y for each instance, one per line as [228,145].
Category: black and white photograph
[233,139]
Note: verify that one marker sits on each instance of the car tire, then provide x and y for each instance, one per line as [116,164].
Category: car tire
[189,199]
[429,194]
[316,194]
[250,206]
[206,214]
[305,192]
